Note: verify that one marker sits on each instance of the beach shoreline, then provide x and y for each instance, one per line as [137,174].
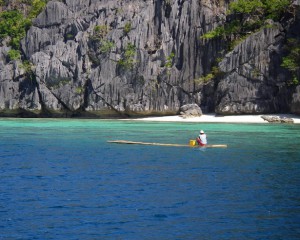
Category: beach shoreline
[213,118]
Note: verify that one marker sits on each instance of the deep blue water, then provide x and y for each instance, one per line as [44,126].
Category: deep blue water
[60,179]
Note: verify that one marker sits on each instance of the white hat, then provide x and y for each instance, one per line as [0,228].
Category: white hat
[201,131]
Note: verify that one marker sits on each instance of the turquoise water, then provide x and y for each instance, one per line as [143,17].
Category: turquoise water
[60,179]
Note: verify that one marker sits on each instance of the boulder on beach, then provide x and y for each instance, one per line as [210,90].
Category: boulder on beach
[190,110]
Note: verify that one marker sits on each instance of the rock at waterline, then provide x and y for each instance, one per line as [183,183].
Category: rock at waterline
[277,119]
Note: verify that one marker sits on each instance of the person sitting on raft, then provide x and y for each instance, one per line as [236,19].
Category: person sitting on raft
[201,140]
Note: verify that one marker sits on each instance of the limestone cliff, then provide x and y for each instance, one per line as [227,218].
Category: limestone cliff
[123,58]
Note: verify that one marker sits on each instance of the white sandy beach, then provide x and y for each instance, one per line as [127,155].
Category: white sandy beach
[212,118]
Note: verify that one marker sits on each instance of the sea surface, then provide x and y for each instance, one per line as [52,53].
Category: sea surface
[60,179]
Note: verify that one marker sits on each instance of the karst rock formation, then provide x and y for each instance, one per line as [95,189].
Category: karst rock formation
[113,58]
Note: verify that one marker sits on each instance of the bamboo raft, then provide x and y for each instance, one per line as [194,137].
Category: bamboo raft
[168,144]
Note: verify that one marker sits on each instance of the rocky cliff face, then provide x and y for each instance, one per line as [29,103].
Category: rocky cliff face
[254,81]
[115,58]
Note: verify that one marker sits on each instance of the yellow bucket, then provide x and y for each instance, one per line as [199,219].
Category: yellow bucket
[192,142]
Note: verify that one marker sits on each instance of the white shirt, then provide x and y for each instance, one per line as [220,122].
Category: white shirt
[203,138]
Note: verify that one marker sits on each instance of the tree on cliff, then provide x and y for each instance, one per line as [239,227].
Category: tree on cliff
[245,17]
[14,23]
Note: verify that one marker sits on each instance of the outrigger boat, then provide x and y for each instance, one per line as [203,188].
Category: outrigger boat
[192,143]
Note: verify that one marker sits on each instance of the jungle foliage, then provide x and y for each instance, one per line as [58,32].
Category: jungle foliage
[246,16]
[14,24]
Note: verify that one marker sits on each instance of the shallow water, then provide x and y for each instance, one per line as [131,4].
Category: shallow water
[60,179]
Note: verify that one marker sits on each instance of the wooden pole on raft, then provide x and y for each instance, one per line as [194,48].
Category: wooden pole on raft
[167,144]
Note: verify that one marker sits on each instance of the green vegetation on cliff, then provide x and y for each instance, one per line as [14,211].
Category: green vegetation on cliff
[127,28]
[292,60]
[260,9]
[170,60]
[246,16]
[14,23]
[127,61]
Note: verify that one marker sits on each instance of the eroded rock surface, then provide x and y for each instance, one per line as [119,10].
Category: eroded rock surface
[82,64]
